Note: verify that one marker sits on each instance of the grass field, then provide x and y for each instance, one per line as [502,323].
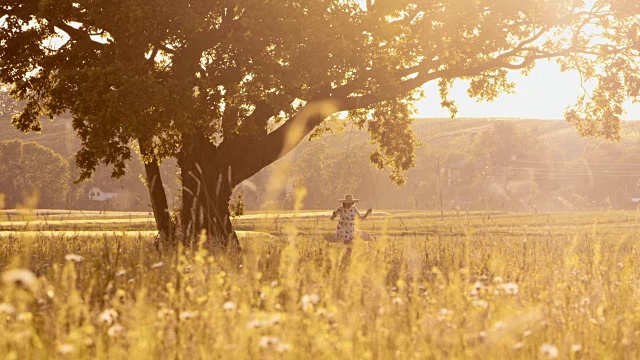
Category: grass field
[471,285]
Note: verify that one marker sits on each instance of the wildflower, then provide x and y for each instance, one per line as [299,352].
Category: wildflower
[549,351]
[445,314]
[166,313]
[527,333]
[257,323]
[283,347]
[156,265]
[66,349]
[481,303]
[254,324]
[188,315]
[476,288]
[575,348]
[7,309]
[115,330]
[108,317]
[313,299]
[498,279]
[267,341]
[229,306]
[509,288]
[499,325]
[397,301]
[121,272]
[309,300]
[20,277]
[518,345]
[74,258]
[25,317]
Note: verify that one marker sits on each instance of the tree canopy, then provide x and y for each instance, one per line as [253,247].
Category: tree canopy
[229,86]
[28,167]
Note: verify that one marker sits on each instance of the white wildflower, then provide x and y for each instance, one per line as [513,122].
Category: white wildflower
[166,313]
[7,309]
[254,324]
[74,258]
[108,317]
[283,347]
[115,330]
[499,325]
[229,306]
[576,348]
[498,279]
[481,303]
[121,272]
[66,349]
[267,341]
[20,277]
[476,288]
[550,351]
[25,317]
[264,323]
[585,301]
[397,301]
[518,345]
[274,319]
[527,333]
[309,300]
[188,315]
[509,288]
[156,265]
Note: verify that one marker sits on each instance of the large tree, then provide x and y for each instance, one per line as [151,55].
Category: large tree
[28,167]
[229,86]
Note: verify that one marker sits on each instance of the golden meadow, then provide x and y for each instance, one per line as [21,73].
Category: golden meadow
[471,285]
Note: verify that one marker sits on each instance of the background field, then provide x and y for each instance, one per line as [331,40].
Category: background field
[470,285]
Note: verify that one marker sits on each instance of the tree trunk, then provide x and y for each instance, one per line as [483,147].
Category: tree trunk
[206,190]
[159,202]
[158,197]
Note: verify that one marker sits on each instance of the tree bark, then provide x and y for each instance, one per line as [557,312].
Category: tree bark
[207,186]
[159,203]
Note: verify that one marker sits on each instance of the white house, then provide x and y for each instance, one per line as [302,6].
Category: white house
[96,194]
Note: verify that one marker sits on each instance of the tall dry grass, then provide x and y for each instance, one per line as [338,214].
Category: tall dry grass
[403,296]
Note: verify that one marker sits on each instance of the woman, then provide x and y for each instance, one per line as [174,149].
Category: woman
[346,225]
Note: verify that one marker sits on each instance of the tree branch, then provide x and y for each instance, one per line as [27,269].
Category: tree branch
[75,34]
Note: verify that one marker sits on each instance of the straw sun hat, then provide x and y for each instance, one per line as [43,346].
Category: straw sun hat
[348,199]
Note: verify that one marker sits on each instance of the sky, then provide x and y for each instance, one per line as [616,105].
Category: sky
[544,94]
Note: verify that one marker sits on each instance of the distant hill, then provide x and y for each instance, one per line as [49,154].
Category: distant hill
[451,138]
[59,135]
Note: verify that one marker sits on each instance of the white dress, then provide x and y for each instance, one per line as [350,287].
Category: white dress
[346,226]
